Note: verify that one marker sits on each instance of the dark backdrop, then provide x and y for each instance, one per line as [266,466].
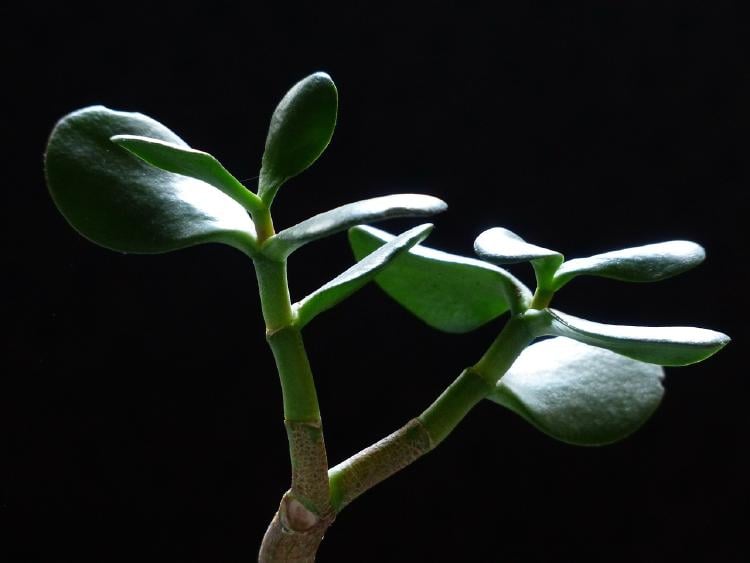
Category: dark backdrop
[140,416]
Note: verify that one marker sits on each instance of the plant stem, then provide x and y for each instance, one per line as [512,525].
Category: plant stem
[304,513]
[372,465]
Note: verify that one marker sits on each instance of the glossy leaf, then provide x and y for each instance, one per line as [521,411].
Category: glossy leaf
[118,201]
[358,275]
[189,162]
[501,246]
[448,292]
[649,263]
[580,394]
[301,128]
[336,220]
[666,346]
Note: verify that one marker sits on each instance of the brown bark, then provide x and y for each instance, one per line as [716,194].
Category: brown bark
[307,452]
[303,518]
[294,534]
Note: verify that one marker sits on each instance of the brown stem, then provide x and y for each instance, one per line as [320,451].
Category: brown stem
[307,452]
[305,513]
[294,534]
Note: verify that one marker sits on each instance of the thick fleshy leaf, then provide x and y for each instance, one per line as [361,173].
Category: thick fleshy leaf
[664,345]
[358,275]
[336,220]
[448,292]
[118,201]
[189,162]
[649,263]
[580,394]
[301,128]
[501,246]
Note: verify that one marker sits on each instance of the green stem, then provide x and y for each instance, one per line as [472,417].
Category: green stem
[442,416]
[515,336]
[301,409]
[372,465]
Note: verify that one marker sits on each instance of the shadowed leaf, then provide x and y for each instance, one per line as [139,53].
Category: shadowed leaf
[580,394]
[448,292]
[358,275]
[301,128]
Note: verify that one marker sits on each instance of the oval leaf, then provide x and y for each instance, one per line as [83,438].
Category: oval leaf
[189,162]
[666,346]
[120,202]
[336,220]
[501,246]
[649,263]
[580,394]
[343,285]
[301,128]
[448,292]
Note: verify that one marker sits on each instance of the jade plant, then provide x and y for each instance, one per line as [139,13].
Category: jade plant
[126,182]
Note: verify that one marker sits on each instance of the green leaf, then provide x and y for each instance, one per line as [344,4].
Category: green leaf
[189,162]
[580,394]
[501,246]
[666,346]
[358,275]
[301,128]
[336,220]
[649,263]
[120,202]
[448,292]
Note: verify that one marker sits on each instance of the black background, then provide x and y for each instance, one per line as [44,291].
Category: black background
[141,419]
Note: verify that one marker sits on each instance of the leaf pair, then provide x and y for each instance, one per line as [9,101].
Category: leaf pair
[649,263]
[593,384]
[173,196]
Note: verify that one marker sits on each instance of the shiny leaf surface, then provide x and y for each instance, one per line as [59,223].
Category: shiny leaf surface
[448,292]
[666,346]
[189,162]
[358,275]
[336,220]
[118,201]
[501,246]
[301,128]
[580,394]
[649,263]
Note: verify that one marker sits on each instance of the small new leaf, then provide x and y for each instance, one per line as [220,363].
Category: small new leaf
[666,345]
[189,162]
[358,275]
[580,394]
[649,263]
[336,220]
[301,128]
[121,202]
[448,292]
